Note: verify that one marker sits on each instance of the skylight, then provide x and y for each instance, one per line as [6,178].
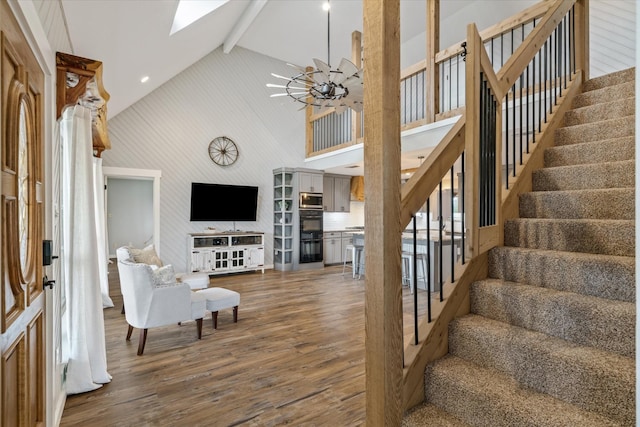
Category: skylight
[189,11]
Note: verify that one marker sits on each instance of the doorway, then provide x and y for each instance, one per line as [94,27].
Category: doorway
[132,204]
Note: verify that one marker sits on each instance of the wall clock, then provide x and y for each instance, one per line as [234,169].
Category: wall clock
[223,151]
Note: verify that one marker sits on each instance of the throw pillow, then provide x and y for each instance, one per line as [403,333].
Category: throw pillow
[164,276]
[147,255]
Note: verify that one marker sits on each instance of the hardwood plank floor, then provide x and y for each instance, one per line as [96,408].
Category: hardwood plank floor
[296,356]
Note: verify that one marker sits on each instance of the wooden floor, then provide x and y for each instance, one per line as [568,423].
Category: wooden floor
[296,356]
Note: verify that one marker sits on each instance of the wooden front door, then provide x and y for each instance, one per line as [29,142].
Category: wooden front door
[22,317]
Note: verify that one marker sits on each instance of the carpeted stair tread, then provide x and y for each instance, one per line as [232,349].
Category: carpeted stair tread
[610,203]
[594,380]
[580,177]
[611,79]
[603,111]
[597,236]
[604,94]
[581,319]
[603,276]
[552,338]
[430,415]
[598,131]
[485,397]
[610,150]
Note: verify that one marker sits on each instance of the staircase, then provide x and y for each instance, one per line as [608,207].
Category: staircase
[550,340]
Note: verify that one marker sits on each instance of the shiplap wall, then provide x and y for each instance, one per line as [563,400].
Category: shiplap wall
[171,128]
[52,17]
[613,29]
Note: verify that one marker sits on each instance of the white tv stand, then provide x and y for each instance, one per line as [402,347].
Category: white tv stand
[225,252]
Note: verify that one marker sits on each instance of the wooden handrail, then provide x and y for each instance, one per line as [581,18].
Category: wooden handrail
[430,173]
[413,69]
[514,66]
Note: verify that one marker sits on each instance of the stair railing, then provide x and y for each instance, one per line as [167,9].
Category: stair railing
[508,119]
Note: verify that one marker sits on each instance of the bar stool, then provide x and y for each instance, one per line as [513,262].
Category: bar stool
[358,261]
[407,269]
[355,252]
[349,253]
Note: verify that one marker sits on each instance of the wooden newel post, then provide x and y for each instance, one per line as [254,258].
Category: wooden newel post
[432,71]
[356,58]
[383,290]
[582,37]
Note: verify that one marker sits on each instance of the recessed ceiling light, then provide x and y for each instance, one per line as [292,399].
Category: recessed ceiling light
[326,6]
[144,79]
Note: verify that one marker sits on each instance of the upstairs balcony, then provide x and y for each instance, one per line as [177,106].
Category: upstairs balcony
[432,97]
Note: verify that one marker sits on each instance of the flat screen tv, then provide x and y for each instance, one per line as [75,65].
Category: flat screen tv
[219,202]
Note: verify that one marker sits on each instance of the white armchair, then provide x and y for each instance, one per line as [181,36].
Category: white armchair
[149,303]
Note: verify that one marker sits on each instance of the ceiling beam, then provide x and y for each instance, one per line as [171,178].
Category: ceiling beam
[238,30]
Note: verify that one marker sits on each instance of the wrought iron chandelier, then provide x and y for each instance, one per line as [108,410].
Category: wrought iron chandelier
[324,87]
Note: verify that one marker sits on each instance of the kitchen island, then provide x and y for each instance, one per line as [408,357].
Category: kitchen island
[439,253]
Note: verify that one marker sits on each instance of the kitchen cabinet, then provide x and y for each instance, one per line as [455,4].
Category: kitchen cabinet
[337,193]
[310,182]
[335,243]
[332,247]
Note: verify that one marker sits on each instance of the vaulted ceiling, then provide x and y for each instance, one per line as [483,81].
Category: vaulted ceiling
[131,37]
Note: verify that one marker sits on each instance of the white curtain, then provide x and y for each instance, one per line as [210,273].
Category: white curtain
[101,231]
[87,369]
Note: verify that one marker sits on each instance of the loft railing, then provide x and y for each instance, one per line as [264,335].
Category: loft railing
[328,131]
[507,119]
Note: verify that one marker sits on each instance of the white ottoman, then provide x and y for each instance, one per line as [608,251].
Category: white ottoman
[194,280]
[219,299]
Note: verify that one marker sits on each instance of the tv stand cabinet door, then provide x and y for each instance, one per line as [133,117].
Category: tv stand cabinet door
[255,257]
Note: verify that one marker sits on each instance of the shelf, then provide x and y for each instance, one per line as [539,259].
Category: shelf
[283,206]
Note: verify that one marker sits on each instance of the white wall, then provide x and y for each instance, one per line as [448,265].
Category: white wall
[613,27]
[129,213]
[171,128]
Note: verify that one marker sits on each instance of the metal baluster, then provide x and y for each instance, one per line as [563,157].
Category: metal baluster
[453,231]
[551,74]
[492,133]
[521,112]
[457,82]
[483,152]
[528,102]
[461,201]
[513,113]
[423,96]
[555,66]
[506,143]
[536,88]
[546,69]
[415,281]
[428,273]
[442,98]
[440,227]
[573,38]
[450,103]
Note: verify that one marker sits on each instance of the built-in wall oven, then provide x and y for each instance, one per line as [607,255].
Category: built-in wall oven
[310,236]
